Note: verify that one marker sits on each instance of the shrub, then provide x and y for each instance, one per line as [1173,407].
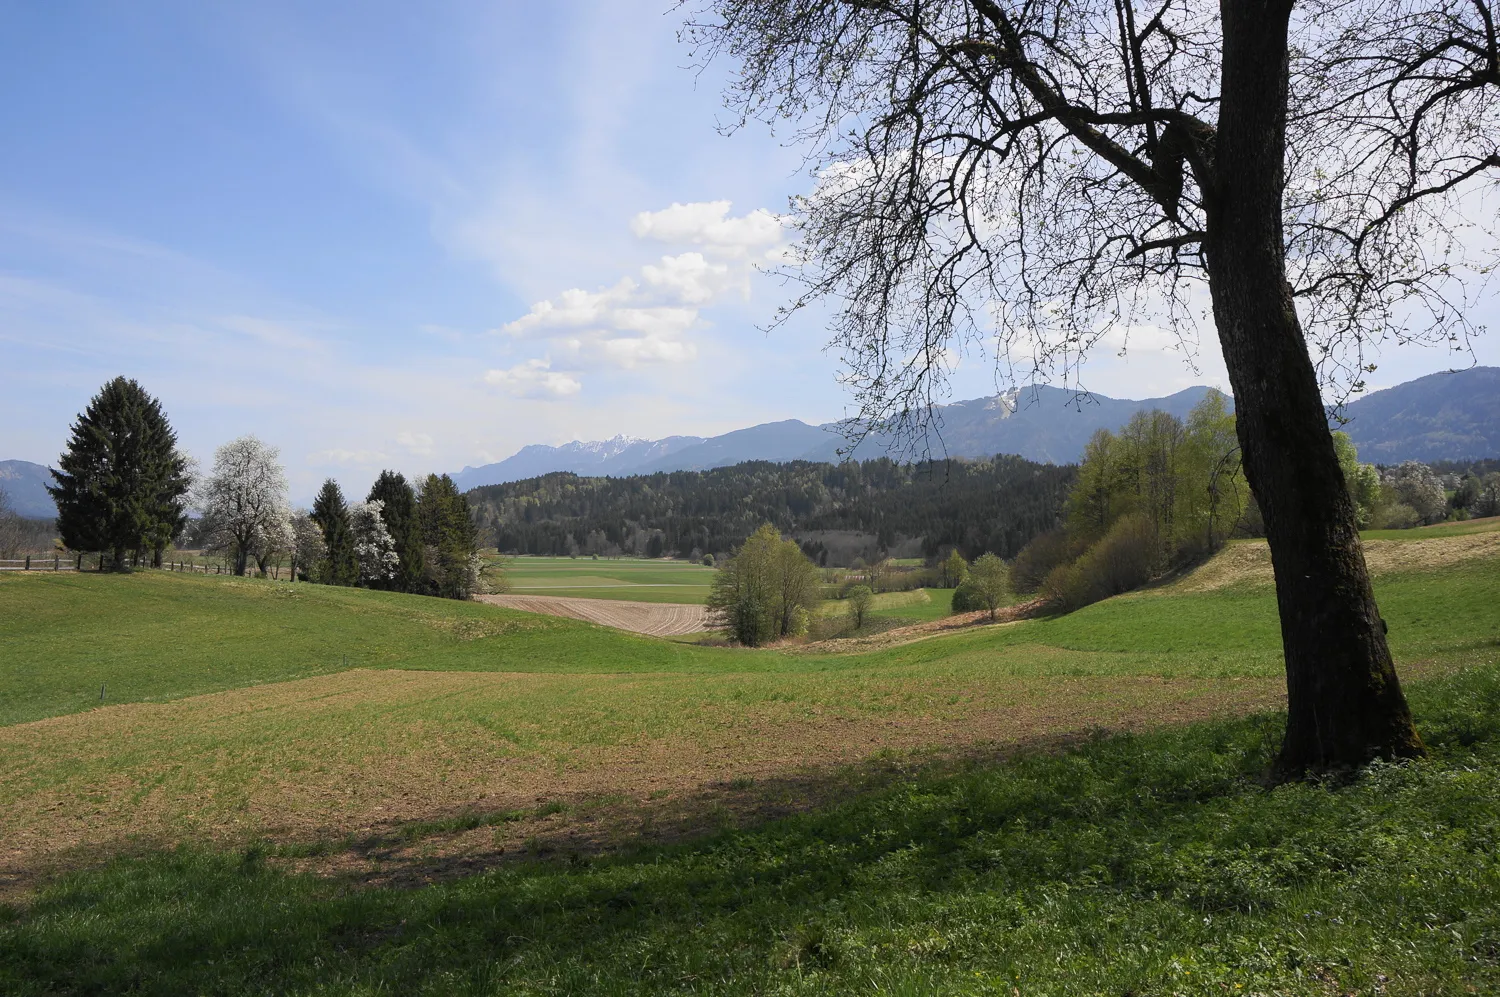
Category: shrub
[1038,559]
[1125,558]
[1398,516]
[966,599]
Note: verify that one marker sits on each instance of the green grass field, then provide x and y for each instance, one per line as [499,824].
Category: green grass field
[632,579]
[270,754]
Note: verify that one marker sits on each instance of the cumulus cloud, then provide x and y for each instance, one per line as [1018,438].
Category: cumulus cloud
[707,224]
[647,319]
[692,279]
[534,379]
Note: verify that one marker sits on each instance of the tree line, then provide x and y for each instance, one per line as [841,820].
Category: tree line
[976,506]
[124,487]
[1159,494]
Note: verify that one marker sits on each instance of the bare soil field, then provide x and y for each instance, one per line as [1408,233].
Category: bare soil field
[655,619]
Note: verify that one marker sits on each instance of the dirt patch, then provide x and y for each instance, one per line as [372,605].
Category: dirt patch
[1248,562]
[655,619]
[360,754]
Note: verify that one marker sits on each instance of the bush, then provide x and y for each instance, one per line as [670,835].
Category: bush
[1398,516]
[1125,558]
[1038,559]
[966,599]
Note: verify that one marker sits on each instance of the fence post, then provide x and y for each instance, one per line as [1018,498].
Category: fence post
[28,562]
[54,562]
[79,566]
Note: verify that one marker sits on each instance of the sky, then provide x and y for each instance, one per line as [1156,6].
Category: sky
[418,236]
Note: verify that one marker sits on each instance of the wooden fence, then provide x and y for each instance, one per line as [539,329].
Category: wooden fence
[100,562]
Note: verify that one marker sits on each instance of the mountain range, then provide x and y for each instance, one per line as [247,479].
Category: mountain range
[1040,423]
[1445,416]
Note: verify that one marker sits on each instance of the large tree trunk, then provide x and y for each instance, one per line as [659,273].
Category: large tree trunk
[1345,705]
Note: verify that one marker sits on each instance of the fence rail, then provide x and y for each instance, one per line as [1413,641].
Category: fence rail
[99,562]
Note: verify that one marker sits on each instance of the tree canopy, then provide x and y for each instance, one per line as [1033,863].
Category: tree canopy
[121,483]
[996,505]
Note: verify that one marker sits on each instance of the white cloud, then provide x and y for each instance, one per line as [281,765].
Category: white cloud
[706,223]
[647,319]
[534,379]
[692,279]
[632,351]
[418,443]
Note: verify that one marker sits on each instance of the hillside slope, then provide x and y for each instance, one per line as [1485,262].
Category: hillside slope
[26,484]
[1445,416]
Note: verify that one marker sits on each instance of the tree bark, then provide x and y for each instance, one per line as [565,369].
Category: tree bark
[1345,705]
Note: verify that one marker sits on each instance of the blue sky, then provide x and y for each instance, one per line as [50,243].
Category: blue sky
[408,235]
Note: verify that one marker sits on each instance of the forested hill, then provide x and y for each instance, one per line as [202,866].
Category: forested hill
[995,505]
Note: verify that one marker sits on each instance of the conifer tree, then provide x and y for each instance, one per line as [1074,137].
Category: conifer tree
[399,510]
[450,537]
[122,482]
[331,514]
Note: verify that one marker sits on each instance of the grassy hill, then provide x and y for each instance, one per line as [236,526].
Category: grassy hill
[335,791]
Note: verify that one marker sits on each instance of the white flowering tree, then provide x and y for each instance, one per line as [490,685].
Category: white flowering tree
[244,501]
[374,547]
[309,549]
[273,543]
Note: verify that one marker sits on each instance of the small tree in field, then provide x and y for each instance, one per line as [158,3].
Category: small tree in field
[759,590]
[989,578]
[860,601]
[244,502]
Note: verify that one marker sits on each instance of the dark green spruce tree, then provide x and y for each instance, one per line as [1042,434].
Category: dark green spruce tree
[449,534]
[122,482]
[400,514]
[331,514]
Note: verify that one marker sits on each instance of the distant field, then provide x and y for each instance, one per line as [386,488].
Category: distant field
[632,579]
[916,605]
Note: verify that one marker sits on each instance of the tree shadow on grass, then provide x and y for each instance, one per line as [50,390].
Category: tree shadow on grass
[1108,865]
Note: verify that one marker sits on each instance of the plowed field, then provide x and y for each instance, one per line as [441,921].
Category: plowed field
[655,619]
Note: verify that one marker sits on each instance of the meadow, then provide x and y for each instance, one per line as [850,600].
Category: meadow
[305,789]
[633,579]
